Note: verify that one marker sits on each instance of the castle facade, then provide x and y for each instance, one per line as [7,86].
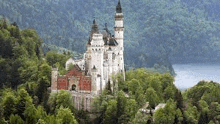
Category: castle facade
[104,58]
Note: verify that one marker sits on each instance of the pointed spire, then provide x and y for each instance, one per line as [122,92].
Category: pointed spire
[95,27]
[94,21]
[118,7]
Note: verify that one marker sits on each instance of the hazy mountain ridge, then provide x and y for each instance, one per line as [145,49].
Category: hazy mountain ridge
[182,31]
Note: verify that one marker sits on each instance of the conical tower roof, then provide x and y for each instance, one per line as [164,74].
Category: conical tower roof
[94,30]
[118,7]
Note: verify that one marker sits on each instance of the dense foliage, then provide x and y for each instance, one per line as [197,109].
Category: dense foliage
[20,55]
[155,31]
[25,77]
[18,107]
[144,90]
[140,88]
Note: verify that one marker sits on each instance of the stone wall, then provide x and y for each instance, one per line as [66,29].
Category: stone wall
[82,100]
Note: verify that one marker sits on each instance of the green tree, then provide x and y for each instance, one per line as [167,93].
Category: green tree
[53,57]
[62,98]
[100,104]
[214,112]
[178,117]
[8,103]
[165,115]
[121,103]
[30,114]
[133,85]
[170,92]
[140,98]
[129,112]
[191,114]
[166,80]
[65,116]
[43,84]
[28,71]
[179,99]
[141,118]
[152,97]
[52,102]
[111,112]
[23,100]
[15,119]
[50,119]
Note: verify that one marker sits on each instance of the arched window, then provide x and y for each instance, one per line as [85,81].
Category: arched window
[113,56]
[73,87]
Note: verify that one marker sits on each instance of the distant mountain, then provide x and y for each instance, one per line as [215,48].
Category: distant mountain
[156,32]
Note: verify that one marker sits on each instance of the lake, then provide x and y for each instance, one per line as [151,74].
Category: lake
[189,75]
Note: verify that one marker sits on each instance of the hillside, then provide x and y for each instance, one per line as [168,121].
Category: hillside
[156,32]
[25,76]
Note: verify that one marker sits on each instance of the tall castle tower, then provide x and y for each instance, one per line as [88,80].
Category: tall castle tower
[97,55]
[119,36]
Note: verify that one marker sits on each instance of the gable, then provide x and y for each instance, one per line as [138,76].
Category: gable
[75,71]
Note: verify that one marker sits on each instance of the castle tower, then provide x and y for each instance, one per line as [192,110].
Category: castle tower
[97,52]
[54,76]
[119,36]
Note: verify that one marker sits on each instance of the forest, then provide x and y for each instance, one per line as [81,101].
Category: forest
[25,96]
[157,32]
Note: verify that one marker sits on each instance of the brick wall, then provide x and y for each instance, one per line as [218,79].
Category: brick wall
[62,83]
[84,81]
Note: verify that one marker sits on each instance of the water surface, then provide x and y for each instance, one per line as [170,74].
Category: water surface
[189,75]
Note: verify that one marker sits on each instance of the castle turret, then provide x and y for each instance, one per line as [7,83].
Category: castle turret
[109,52]
[119,36]
[54,76]
[97,51]
[96,81]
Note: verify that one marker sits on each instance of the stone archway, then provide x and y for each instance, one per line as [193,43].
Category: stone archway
[73,81]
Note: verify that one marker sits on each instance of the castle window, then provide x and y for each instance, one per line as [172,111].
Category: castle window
[73,87]
[113,55]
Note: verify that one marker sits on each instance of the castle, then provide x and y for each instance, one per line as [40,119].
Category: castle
[103,58]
